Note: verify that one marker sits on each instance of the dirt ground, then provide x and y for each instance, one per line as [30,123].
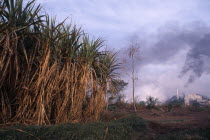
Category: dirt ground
[161,121]
[179,117]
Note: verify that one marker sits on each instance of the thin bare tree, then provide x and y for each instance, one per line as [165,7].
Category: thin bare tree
[133,53]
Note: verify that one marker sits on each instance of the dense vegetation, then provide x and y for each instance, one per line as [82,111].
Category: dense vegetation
[50,73]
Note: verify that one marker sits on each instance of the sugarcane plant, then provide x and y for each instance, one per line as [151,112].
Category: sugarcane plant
[50,73]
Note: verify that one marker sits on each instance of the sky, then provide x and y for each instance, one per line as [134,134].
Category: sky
[173,37]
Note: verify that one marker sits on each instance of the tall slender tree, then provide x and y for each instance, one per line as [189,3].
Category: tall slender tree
[133,53]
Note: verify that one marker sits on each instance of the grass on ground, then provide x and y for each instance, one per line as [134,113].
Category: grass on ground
[125,128]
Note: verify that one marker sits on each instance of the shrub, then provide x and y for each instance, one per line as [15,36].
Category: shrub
[194,105]
[151,102]
[112,107]
[175,103]
[142,103]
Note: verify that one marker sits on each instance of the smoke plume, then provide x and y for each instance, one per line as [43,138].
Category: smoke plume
[198,59]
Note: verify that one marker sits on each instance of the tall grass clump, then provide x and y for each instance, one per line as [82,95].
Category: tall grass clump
[49,73]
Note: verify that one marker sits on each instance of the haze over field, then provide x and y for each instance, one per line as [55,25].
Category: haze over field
[174,37]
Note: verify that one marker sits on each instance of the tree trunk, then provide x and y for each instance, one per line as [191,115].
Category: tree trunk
[133,80]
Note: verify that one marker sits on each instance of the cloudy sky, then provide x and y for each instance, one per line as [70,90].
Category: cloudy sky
[174,37]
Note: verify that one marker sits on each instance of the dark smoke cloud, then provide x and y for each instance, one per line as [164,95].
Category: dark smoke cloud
[170,39]
[198,59]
